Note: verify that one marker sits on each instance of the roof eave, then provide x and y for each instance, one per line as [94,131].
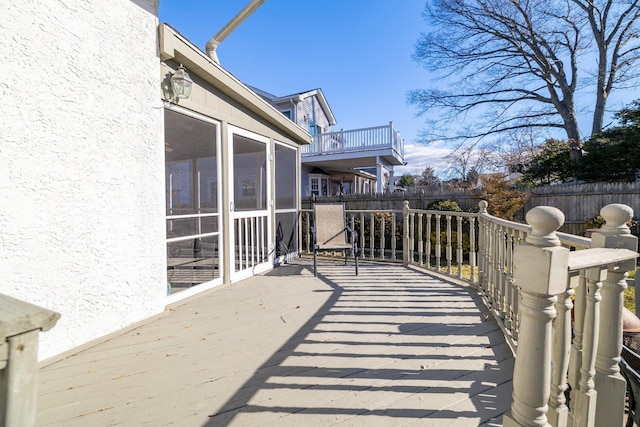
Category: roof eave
[175,46]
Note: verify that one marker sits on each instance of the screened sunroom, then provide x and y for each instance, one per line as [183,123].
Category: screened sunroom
[232,175]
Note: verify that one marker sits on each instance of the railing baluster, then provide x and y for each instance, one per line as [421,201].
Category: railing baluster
[420,240]
[412,231]
[575,361]
[459,251]
[558,411]
[502,274]
[393,236]
[372,229]
[362,240]
[472,249]
[308,231]
[449,243]
[383,230]
[428,250]
[585,408]
[405,233]
[490,264]
[438,247]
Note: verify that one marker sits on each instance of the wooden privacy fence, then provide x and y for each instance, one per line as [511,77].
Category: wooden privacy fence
[531,278]
[578,202]
[581,202]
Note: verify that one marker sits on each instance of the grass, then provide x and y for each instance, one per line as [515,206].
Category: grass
[630,298]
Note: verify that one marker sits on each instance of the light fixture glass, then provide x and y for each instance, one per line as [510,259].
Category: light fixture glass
[181,83]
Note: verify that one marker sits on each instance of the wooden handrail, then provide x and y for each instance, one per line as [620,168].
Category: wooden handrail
[20,324]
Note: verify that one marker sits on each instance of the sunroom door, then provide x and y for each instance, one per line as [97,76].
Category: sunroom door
[249,207]
[286,200]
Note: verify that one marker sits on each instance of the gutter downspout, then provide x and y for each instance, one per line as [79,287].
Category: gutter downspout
[213,43]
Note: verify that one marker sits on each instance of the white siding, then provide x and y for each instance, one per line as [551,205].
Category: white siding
[310,108]
[82,164]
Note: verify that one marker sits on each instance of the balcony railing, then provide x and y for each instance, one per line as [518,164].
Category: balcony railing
[557,297]
[356,140]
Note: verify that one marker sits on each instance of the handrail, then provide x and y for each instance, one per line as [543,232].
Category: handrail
[20,325]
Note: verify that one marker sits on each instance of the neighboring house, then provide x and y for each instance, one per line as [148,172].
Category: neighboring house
[118,198]
[345,161]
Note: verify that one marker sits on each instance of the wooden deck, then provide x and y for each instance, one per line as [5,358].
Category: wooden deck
[393,346]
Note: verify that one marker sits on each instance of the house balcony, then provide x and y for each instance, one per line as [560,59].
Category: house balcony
[357,148]
[429,333]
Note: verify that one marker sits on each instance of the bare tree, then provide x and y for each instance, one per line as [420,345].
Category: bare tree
[614,25]
[514,64]
[512,151]
[465,159]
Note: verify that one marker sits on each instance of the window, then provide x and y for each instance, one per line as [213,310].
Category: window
[248,187]
[287,114]
[319,185]
[192,217]
[286,188]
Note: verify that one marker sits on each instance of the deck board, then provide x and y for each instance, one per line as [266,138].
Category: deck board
[393,346]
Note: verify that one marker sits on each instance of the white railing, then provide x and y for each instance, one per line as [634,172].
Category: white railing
[557,297]
[251,243]
[356,140]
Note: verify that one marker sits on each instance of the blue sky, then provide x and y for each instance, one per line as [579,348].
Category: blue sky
[357,51]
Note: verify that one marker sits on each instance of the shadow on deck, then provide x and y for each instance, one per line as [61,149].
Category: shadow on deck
[392,346]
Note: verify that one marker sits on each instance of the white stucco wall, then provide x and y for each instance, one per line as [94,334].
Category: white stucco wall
[82,164]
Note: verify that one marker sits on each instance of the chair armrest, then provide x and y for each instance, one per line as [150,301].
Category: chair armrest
[354,235]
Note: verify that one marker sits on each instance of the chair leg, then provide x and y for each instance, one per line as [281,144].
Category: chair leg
[315,263]
[355,256]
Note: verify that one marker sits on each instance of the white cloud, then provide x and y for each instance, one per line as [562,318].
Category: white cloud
[418,156]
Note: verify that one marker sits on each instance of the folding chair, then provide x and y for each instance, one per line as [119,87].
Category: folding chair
[331,232]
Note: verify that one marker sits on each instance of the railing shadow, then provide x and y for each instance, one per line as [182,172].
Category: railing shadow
[414,348]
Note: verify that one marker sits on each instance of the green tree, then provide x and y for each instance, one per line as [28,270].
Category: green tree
[552,163]
[444,205]
[614,155]
[504,200]
[407,180]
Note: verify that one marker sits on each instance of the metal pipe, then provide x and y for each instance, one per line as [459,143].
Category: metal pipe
[213,43]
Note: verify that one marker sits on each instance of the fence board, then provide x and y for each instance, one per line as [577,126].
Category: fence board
[579,202]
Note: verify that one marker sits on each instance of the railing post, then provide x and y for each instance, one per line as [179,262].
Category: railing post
[609,383]
[405,233]
[20,324]
[540,270]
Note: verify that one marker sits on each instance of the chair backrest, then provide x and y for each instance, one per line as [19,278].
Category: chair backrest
[329,223]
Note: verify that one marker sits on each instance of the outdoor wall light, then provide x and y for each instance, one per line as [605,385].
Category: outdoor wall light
[181,83]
